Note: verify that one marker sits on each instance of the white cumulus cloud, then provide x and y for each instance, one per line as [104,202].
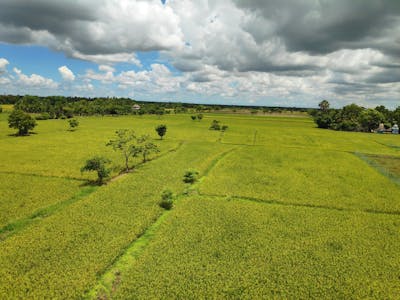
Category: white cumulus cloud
[66,73]
[3,65]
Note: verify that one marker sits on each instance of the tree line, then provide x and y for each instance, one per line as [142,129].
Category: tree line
[354,118]
[55,107]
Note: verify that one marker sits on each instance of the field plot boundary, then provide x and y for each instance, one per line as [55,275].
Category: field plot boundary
[291,204]
[377,167]
[109,280]
[44,176]
[18,225]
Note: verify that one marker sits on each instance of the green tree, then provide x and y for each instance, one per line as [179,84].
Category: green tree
[97,164]
[193,117]
[161,130]
[73,124]
[148,147]
[21,121]
[370,119]
[324,105]
[126,143]
[200,117]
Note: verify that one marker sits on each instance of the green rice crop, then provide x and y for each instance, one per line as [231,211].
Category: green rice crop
[210,248]
[283,210]
[69,250]
[23,195]
[303,177]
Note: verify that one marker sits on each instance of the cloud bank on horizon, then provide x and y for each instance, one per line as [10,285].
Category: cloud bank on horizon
[276,52]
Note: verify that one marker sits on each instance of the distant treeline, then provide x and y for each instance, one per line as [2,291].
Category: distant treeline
[355,118]
[66,107]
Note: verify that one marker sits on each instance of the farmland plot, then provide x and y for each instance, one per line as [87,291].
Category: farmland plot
[210,247]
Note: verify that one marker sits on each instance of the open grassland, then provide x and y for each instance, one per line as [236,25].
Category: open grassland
[282,210]
[211,248]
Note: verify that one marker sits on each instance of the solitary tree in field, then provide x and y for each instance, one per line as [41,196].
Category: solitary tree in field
[126,142]
[193,117]
[73,124]
[21,121]
[161,130]
[147,147]
[97,164]
[324,105]
[200,117]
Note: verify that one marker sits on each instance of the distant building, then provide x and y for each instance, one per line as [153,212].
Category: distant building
[136,107]
[381,128]
[395,129]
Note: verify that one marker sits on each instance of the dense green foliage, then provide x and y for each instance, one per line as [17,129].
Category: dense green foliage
[98,164]
[190,176]
[161,130]
[21,121]
[167,200]
[354,118]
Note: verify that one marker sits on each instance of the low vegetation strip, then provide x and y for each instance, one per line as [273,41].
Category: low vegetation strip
[218,249]
[286,203]
[307,177]
[76,245]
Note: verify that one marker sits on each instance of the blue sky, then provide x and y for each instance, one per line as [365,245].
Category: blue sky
[277,53]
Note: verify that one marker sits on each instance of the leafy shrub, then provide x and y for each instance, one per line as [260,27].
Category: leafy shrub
[43,116]
[166,199]
[97,164]
[193,117]
[73,123]
[215,125]
[190,176]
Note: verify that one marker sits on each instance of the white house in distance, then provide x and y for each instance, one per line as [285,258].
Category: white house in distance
[136,107]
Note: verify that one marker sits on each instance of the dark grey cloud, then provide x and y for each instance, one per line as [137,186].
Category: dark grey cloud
[321,27]
[386,76]
[53,16]
[85,29]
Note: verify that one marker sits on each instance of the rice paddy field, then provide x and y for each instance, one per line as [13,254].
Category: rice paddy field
[281,210]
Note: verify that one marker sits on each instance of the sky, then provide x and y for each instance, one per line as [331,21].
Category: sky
[258,52]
